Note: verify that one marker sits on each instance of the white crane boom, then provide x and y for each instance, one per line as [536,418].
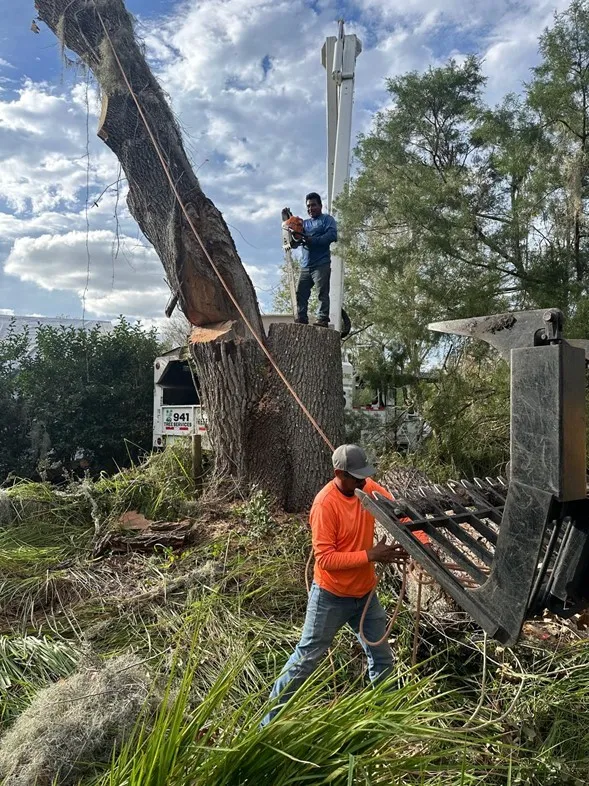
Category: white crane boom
[338,56]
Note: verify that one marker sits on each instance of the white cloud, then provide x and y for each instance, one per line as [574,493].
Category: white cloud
[43,140]
[129,284]
[513,46]
[32,109]
[13,226]
[129,281]
[7,312]
[476,14]
[246,83]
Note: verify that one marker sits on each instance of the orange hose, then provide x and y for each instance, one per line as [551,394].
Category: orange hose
[309,561]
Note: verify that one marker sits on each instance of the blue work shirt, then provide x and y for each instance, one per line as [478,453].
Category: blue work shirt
[321,233]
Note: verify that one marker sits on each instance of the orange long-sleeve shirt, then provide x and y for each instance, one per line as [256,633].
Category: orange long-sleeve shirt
[343,531]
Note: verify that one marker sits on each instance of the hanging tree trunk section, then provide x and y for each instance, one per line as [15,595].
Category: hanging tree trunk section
[151,200]
[258,433]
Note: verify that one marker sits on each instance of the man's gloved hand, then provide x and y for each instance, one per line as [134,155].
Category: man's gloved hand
[295,239]
[387,555]
[299,237]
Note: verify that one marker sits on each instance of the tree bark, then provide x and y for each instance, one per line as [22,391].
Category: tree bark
[264,437]
[258,433]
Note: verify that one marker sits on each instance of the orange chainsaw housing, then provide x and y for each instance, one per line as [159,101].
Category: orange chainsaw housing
[295,225]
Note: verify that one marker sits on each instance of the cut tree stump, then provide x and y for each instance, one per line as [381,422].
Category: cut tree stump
[264,438]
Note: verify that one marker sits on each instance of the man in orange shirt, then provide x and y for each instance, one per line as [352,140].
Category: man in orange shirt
[343,538]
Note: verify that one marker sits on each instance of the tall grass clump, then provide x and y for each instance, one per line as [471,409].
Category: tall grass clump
[391,734]
[161,487]
[552,718]
[42,547]
[27,664]
[47,533]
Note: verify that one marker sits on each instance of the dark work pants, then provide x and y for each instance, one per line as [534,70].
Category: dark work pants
[319,277]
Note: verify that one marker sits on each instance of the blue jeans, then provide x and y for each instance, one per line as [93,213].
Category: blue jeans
[326,614]
[319,277]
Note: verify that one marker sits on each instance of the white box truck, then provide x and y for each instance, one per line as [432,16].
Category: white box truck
[177,411]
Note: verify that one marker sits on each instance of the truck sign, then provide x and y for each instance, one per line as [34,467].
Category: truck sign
[178,420]
[174,422]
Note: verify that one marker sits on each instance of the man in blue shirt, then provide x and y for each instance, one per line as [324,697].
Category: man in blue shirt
[320,232]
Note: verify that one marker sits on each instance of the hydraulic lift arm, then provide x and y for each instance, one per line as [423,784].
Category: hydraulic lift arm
[338,57]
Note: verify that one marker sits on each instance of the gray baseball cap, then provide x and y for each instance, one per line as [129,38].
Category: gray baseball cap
[352,459]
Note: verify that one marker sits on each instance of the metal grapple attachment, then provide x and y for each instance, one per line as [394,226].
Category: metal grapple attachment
[506,550]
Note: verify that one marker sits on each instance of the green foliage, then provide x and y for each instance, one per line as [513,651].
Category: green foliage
[256,512]
[14,444]
[282,300]
[552,713]
[559,92]
[472,399]
[387,735]
[160,487]
[407,222]
[83,399]
[37,562]
[459,209]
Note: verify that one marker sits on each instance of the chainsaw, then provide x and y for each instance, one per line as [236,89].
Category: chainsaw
[292,237]
[293,230]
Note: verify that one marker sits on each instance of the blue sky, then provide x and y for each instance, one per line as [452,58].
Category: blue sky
[246,83]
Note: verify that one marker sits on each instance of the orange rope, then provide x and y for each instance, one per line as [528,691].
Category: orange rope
[307,566]
[420,580]
[420,583]
[238,308]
